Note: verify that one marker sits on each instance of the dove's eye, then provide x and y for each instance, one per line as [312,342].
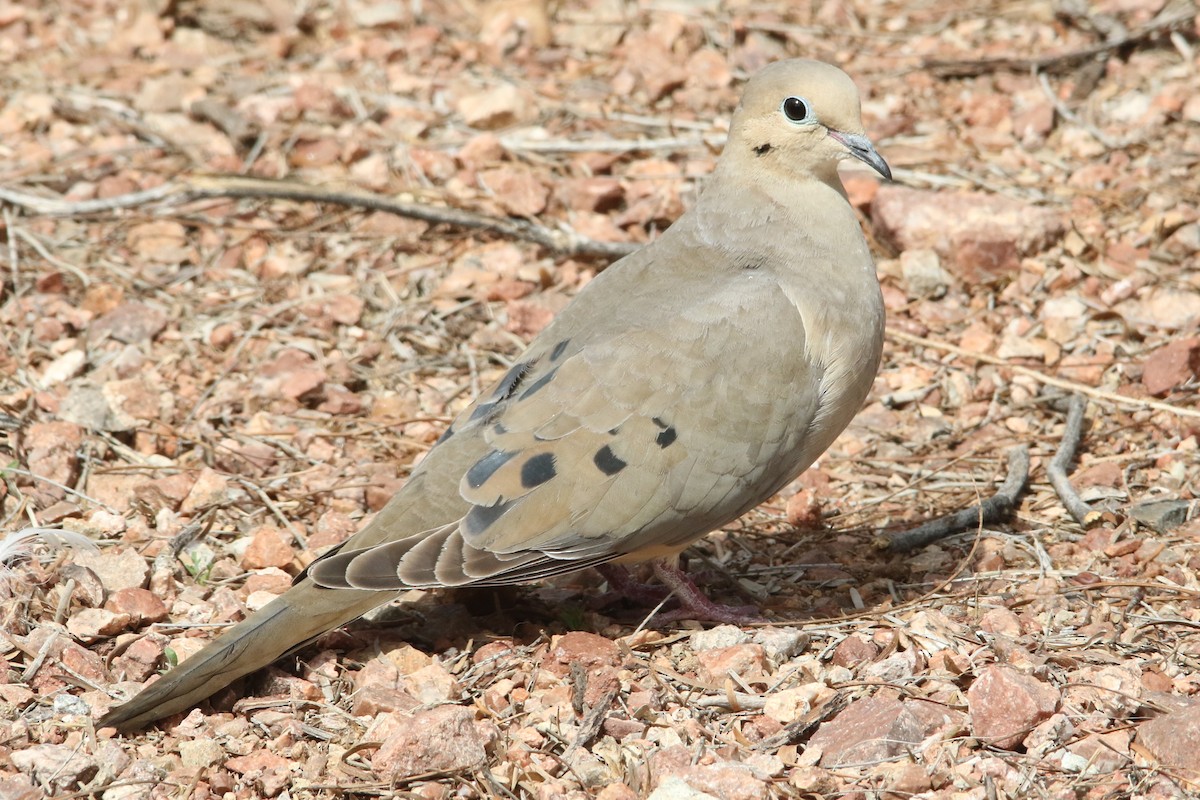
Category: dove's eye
[796,109]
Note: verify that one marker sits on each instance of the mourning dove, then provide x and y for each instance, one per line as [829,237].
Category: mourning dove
[686,384]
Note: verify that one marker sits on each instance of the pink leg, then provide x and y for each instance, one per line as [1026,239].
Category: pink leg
[693,603]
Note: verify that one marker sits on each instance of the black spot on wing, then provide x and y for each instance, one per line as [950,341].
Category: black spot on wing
[762,149]
[538,470]
[446,434]
[559,349]
[480,518]
[607,462]
[486,467]
[539,384]
[666,435]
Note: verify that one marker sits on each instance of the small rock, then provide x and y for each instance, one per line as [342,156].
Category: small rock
[1005,705]
[789,705]
[981,236]
[375,700]
[498,107]
[728,780]
[616,791]
[92,623]
[1172,738]
[517,189]
[263,768]
[57,766]
[199,753]
[117,569]
[586,649]
[747,660]
[868,730]
[1171,366]
[1161,515]
[676,788]
[51,451]
[1102,752]
[443,739]
[129,322]
[854,649]
[141,606]
[922,274]
[209,488]
[1001,621]
[269,548]
[1186,240]
[781,644]
[718,637]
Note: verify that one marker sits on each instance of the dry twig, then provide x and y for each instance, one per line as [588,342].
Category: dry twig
[187,188]
[1060,62]
[1084,514]
[987,512]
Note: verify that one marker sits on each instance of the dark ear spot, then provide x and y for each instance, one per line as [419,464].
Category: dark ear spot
[607,462]
[762,149]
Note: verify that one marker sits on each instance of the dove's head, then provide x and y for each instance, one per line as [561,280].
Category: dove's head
[799,116]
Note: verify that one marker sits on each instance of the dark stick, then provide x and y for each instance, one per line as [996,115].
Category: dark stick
[995,508]
[1084,514]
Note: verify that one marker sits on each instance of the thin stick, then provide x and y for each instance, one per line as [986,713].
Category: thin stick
[993,509]
[1059,62]
[1084,514]
[1049,380]
[198,187]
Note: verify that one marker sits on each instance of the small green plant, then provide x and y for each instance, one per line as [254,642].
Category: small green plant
[198,568]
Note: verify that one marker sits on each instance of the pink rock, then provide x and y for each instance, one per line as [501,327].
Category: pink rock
[209,488]
[117,569]
[1005,705]
[599,193]
[1106,752]
[726,780]
[1172,738]
[141,606]
[269,548]
[264,769]
[586,649]
[854,650]
[1172,365]
[516,188]
[979,236]
[868,730]
[1001,621]
[129,323]
[376,700]
[142,658]
[50,452]
[56,766]
[92,623]
[745,659]
[445,738]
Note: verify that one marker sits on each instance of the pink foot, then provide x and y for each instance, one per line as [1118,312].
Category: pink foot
[692,602]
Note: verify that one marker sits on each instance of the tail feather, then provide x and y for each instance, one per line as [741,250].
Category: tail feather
[302,613]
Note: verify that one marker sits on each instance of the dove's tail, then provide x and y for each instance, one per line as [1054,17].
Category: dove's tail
[304,612]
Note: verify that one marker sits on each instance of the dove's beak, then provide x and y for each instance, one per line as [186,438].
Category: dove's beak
[861,148]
